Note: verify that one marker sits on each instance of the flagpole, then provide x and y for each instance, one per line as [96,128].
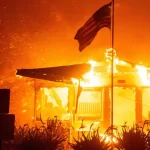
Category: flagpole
[112,63]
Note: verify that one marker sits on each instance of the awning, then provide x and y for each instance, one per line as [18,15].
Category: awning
[56,74]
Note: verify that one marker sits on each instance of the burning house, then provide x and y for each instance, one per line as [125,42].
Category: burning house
[83,92]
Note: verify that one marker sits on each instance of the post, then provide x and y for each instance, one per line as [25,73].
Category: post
[35,99]
[138,105]
[107,109]
[112,61]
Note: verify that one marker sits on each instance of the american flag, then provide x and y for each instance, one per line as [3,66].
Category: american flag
[100,19]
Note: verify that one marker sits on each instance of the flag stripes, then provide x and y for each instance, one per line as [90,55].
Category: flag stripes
[86,34]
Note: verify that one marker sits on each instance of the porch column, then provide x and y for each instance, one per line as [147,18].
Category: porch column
[37,103]
[106,108]
[71,110]
[71,98]
[138,105]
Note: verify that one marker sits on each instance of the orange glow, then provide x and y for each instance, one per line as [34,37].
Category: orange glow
[29,83]
[32,118]
[24,104]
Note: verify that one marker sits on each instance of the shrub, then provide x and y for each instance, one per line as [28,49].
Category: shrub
[50,136]
[90,141]
[134,138]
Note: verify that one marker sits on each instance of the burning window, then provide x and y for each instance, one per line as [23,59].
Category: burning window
[52,102]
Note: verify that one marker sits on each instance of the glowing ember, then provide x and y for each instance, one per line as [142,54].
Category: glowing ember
[24,111]
[19,76]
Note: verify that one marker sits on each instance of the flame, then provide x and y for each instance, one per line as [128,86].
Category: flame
[114,68]
[108,138]
[92,79]
[142,71]
[89,79]
[121,62]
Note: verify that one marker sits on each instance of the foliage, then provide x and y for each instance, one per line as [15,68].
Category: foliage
[136,137]
[53,136]
[50,136]
[90,141]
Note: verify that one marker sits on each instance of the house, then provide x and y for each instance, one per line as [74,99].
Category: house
[83,92]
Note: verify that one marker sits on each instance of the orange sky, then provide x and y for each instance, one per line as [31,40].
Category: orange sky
[41,33]
[131,36]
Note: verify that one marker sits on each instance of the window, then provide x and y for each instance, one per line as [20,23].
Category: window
[52,102]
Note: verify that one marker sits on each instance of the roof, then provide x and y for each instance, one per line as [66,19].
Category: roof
[57,74]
